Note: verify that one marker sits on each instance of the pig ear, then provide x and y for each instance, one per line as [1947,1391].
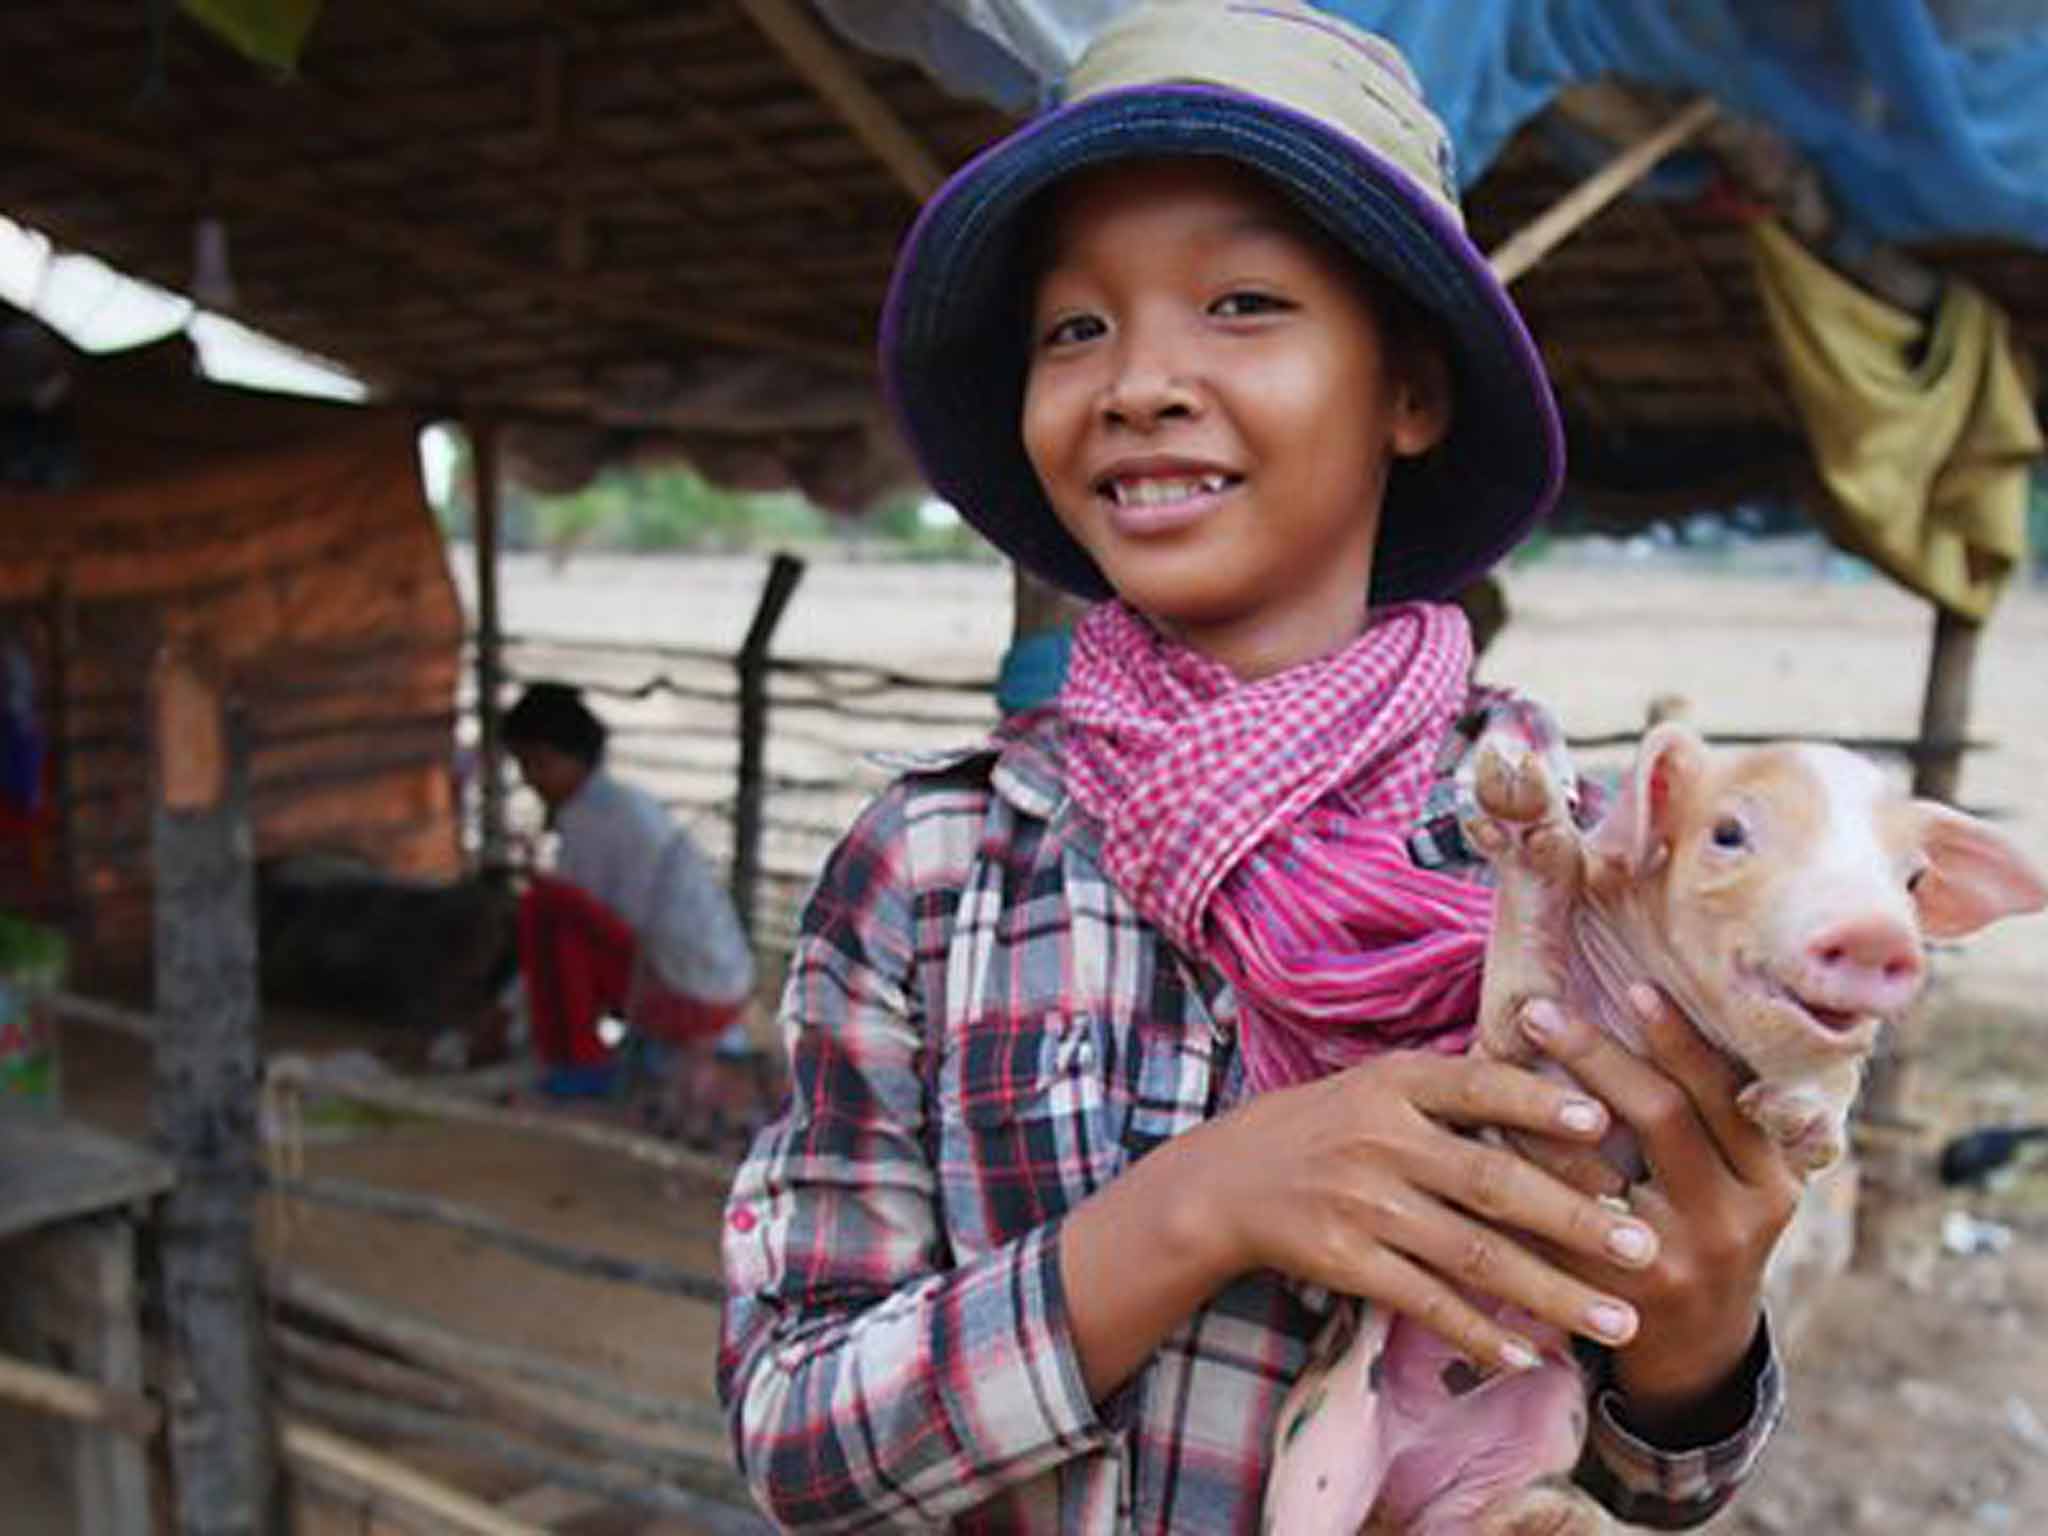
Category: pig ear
[1974,875]
[1638,828]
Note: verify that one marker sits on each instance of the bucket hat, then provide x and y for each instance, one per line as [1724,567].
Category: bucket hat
[1334,118]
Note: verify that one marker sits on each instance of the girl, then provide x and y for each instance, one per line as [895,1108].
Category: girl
[1124,1042]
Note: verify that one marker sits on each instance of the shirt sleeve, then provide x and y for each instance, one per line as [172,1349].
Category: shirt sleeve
[870,1380]
[1672,1490]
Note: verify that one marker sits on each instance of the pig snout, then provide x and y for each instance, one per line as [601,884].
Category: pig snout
[1870,964]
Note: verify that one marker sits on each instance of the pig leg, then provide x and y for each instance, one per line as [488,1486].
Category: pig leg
[1545,1509]
[1808,1117]
[1329,1445]
[1519,821]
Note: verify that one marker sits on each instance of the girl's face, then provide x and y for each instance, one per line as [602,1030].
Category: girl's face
[1212,412]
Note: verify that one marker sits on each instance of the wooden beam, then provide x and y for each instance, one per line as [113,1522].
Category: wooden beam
[1550,229]
[203,1105]
[818,59]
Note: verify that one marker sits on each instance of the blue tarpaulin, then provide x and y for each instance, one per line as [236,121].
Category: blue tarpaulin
[1926,118]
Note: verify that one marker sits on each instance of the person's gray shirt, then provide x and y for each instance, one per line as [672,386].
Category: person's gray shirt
[619,844]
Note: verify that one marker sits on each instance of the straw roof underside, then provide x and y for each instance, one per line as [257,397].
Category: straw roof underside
[533,207]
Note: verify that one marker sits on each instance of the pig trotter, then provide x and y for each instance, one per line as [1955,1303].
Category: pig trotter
[1803,1121]
[1544,1509]
[1521,815]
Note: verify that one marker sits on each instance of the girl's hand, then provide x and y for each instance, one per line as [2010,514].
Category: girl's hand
[1360,1182]
[1718,1192]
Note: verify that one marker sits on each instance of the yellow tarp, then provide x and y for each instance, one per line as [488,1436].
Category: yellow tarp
[1922,431]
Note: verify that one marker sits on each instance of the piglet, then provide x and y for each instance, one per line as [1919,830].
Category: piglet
[1782,897]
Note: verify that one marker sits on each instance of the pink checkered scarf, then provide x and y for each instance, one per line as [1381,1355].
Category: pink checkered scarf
[1263,827]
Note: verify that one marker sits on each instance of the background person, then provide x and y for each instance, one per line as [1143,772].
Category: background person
[631,922]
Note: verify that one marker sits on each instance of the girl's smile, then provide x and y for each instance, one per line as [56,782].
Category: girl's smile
[1211,410]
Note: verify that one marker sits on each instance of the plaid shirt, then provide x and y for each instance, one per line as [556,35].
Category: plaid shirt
[982,1033]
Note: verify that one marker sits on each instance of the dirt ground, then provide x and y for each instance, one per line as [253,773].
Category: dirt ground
[1920,1392]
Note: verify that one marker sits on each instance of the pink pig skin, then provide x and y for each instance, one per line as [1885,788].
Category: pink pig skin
[1780,896]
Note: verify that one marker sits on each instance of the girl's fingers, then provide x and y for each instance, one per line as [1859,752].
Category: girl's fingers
[1499,1186]
[1475,1258]
[1415,1293]
[1471,1092]
[1583,1168]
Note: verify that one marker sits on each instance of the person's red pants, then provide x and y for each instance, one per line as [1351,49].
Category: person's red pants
[578,959]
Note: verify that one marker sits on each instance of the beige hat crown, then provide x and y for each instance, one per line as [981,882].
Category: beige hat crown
[1292,54]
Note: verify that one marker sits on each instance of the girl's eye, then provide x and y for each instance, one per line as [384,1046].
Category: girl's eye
[1242,304]
[1069,329]
[1913,880]
[1730,833]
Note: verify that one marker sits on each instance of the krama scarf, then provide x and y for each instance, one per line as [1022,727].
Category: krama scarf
[1263,827]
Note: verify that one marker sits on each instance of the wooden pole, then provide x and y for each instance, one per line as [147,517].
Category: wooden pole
[784,572]
[204,1107]
[1562,219]
[799,38]
[396,1381]
[719,1505]
[490,639]
[1945,708]
[470,1358]
[412,1501]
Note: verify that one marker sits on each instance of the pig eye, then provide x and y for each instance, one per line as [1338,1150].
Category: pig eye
[1913,880]
[1730,833]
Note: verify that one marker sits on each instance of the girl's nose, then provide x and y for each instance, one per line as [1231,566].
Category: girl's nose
[1147,389]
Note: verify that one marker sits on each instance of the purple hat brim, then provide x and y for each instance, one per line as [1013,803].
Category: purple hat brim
[955,331]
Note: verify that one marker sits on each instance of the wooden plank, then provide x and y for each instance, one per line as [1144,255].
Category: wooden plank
[713,1505]
[467,1355]
[204,1106]
[388,1488]
[75,1398]
[1550,229]
[53,1169]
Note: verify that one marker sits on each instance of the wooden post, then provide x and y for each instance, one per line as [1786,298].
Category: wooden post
[1895,1222]
[490,667]
[1945,709]
[204,1108]
[784,572]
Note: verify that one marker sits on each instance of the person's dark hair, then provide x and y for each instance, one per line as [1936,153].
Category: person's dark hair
[554,715]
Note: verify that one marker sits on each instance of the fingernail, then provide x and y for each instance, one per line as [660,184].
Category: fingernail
[1611,1320]
[1632,1243]
[1643,999]
[1542,1021]
[1582,1115]
[1518,1355]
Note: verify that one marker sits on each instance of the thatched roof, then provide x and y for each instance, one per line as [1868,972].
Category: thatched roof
[648,217]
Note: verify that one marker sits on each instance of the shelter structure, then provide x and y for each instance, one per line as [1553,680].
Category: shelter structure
[289,540]
[630,228]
